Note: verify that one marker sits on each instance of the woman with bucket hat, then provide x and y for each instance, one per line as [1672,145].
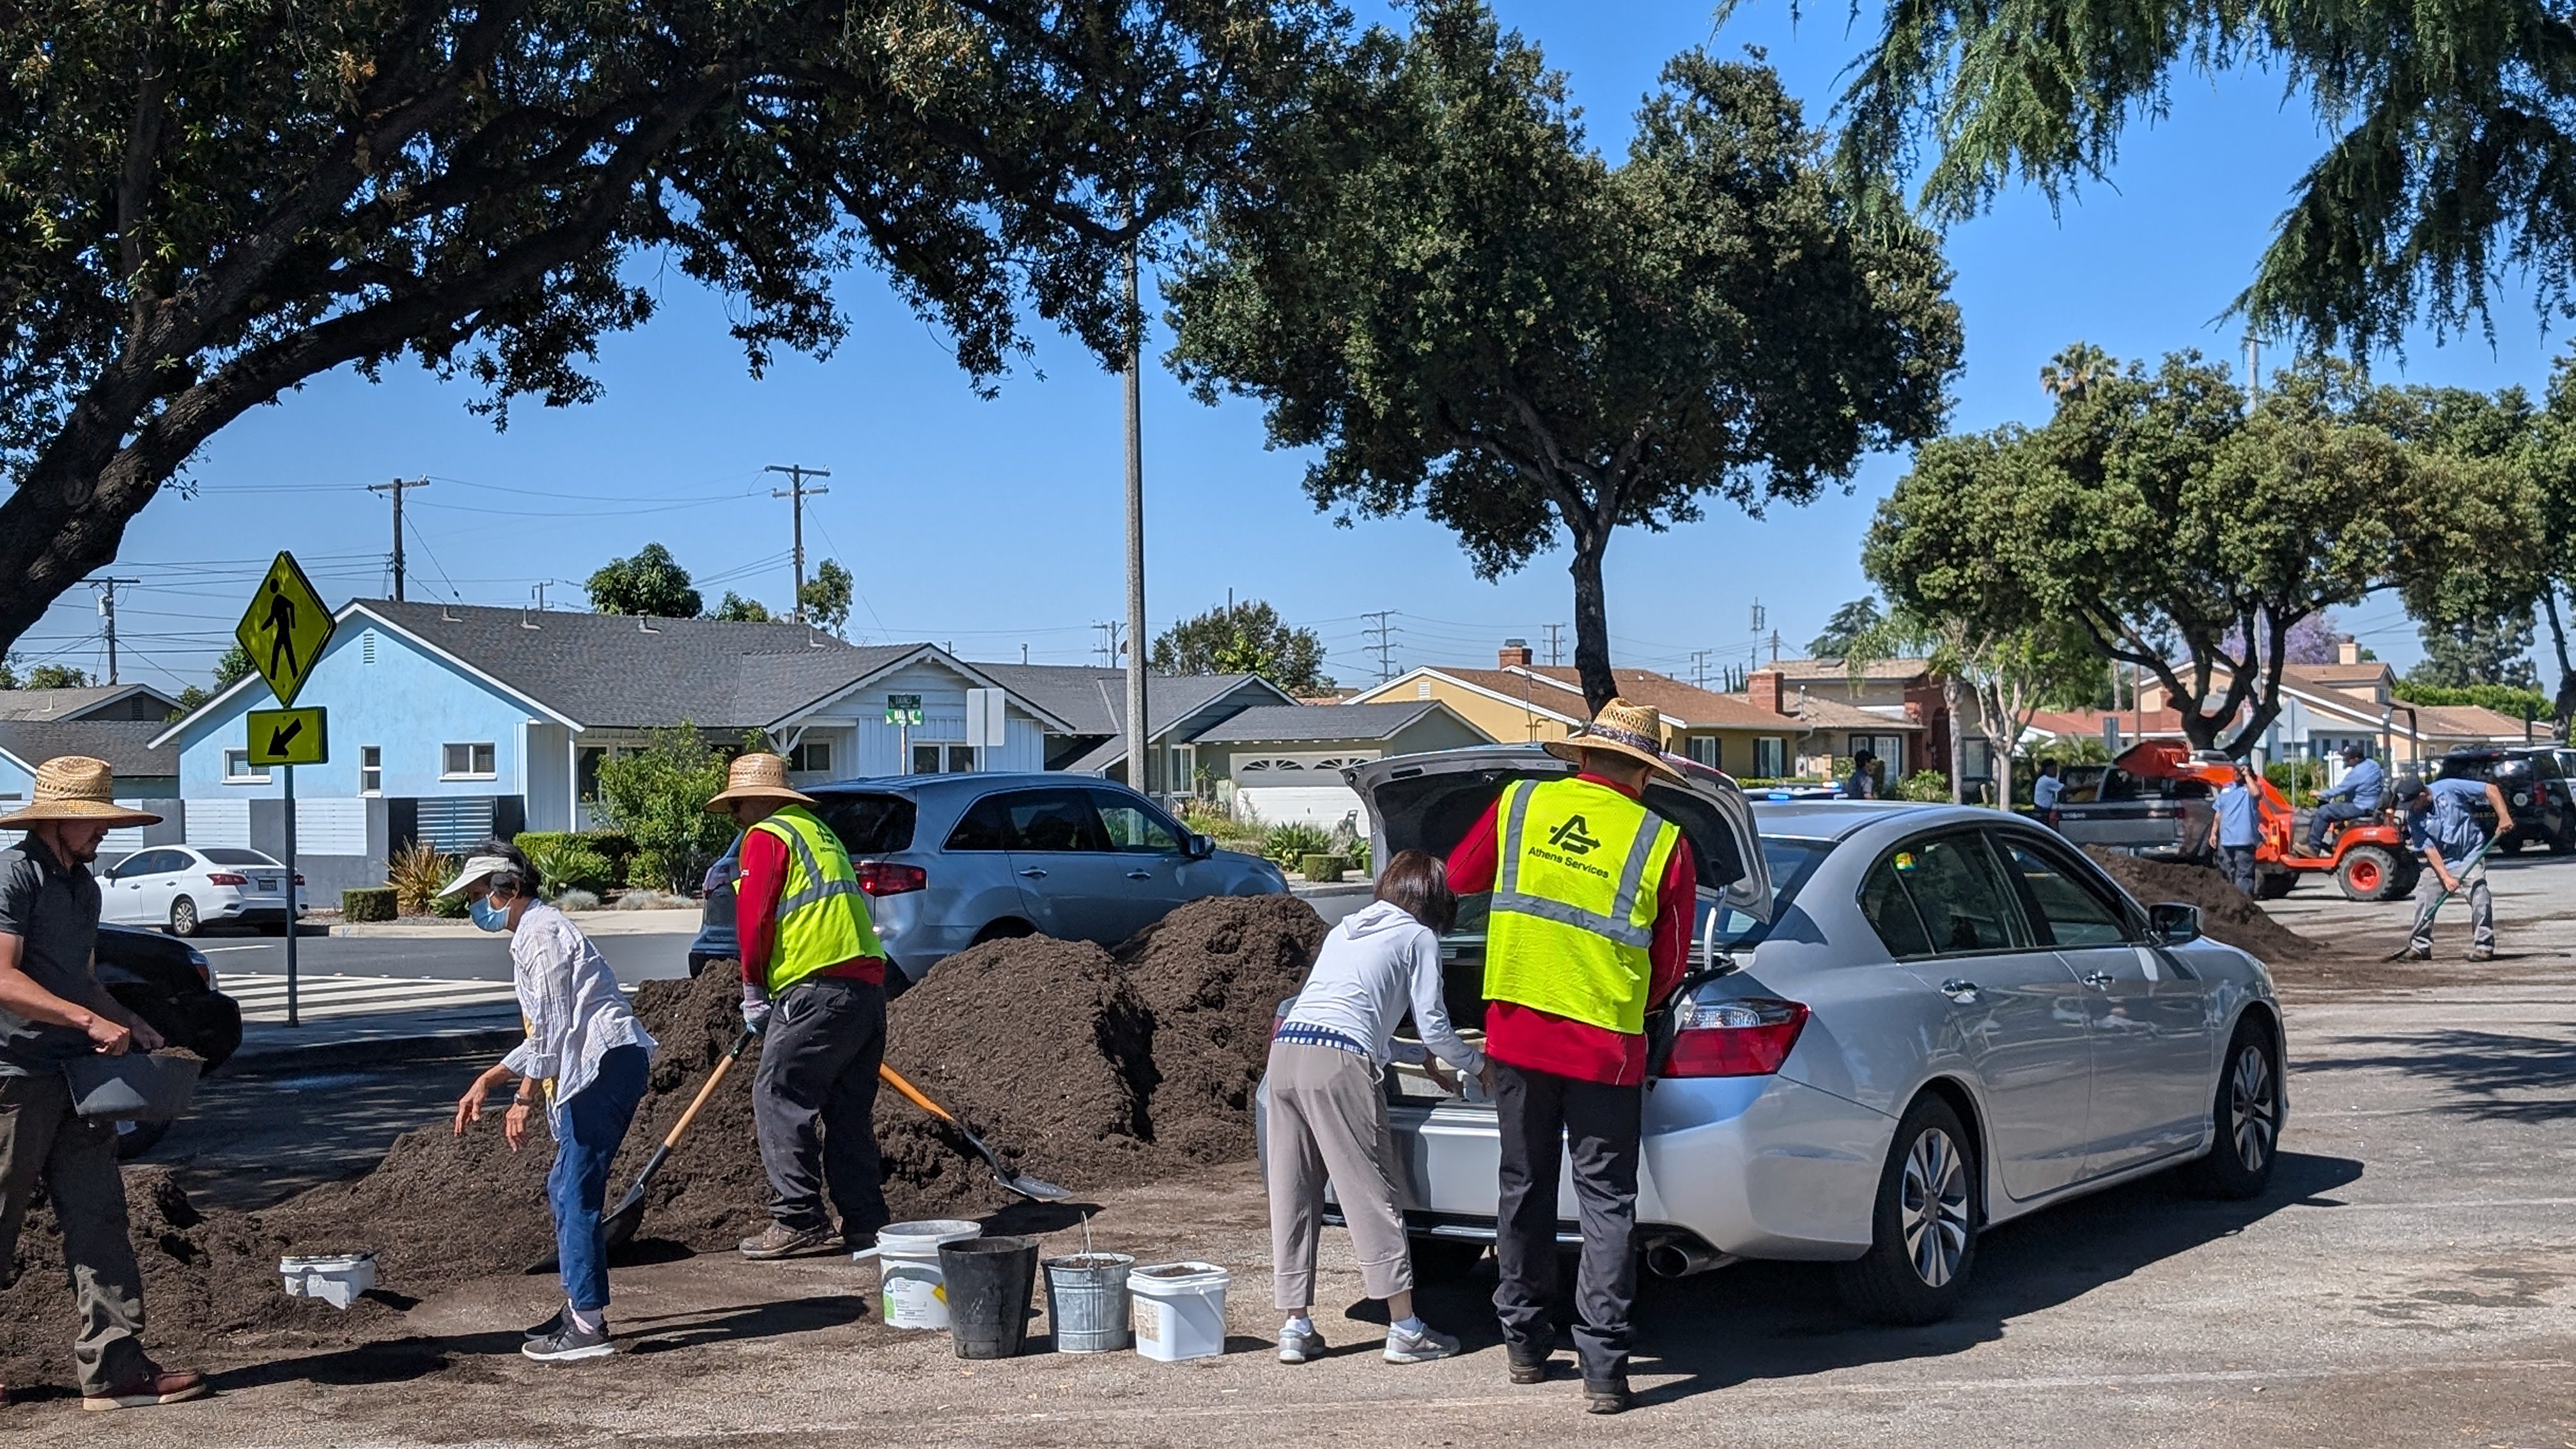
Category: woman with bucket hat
[53,1011]
[585,1059]
[1590,928]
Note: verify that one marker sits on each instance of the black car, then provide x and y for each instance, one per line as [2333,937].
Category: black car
[170,985]
[2544,813]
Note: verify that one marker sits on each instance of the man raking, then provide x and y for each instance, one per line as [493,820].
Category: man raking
[2442,826]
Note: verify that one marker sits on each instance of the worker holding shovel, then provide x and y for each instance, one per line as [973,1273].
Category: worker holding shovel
[585,1060]
[2442,827]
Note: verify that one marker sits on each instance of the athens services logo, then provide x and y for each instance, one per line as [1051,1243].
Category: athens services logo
[1573,836]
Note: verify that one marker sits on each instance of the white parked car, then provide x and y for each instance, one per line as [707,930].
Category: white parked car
[1906,1023]
[181,888]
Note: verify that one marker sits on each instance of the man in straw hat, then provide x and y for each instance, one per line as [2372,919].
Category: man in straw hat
[1593,895]
[52,1010]
[813,984]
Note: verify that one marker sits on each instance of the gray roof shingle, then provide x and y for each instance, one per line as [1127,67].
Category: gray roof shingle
[1094,700]
[1265,724]
[70,703]
[126,745]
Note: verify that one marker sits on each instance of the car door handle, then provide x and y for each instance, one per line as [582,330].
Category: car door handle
[1140,875]
[1033,873]
[2098,980]
[1959,991]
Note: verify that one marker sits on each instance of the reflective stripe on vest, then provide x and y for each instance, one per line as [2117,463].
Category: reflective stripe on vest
[1576,894]
[822,917]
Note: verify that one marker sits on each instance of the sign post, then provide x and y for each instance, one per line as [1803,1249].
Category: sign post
[903,711]
[283,631]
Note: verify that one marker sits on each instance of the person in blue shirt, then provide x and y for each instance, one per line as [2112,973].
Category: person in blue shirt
[2045,792]
[2236,828]
[1863,784]
[2357,798]
[2442,826]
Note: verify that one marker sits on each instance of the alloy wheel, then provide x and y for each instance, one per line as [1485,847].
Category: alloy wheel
[2253,1107]
[1932,1207]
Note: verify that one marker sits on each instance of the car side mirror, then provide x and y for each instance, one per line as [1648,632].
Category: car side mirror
[1201,847]
[2173,923]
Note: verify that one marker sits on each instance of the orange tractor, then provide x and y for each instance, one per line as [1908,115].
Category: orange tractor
[2368,858]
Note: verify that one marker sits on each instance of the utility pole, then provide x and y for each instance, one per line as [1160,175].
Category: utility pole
[1555,656]
[1775,646]
[396,488]
[1699,666]
[1385,645]
[2254,367]
[797,474]
[107,611]
[1108,648]
[1140,733]
[539,589]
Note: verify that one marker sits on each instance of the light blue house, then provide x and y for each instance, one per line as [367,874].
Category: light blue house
[452,722]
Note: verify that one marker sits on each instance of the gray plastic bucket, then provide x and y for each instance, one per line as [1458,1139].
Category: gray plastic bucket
[134,1087]
[1087,1302]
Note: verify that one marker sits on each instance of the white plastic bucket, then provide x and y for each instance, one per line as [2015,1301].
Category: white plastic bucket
[337,1279]
[1179,1310]
[911,1290]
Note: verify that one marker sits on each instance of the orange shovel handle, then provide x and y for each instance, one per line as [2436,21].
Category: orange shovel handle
[913,1094]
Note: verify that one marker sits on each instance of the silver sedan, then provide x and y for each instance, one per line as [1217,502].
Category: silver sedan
[1906,1023]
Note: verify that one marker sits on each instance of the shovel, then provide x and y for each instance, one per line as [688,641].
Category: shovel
[2444,898]
[1031,1188]
[619,1226]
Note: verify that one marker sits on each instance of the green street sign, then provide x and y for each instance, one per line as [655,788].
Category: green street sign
[903,709]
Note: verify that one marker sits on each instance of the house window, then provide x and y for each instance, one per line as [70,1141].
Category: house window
[961,759]
[1422,689]
[371,769]
[1770,757]
[813,757]
[1703,748]
[465,762]
[925,759]
[238,770]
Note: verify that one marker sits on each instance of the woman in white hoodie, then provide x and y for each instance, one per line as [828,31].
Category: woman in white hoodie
[1327,1116]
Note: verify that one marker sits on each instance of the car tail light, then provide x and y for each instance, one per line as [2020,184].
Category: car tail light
[225,877]
[880,878]
[1741,1038]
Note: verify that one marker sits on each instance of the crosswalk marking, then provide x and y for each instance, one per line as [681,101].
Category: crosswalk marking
[263,995]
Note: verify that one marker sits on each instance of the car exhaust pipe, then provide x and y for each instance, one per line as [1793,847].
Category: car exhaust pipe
[1683,1257]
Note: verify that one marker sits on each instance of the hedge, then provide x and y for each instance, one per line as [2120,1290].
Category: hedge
[367,903]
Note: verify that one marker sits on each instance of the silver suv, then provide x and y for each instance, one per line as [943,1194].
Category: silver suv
[949,861]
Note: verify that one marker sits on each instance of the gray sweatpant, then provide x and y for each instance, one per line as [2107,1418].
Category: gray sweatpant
[1327,1117]
[2473,884]
[41,1137]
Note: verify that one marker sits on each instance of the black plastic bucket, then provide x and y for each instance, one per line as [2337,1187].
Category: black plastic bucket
[990,1283]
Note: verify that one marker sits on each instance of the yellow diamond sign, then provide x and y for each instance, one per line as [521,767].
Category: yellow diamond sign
[284,628]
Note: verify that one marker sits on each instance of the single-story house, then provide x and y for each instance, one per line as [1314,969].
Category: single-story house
[451,722]
[147,775]
[95,702]
[1282,763]
[1092,701]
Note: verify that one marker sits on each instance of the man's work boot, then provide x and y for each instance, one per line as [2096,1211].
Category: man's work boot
[1611,1397]
[2414,955]
[1528,1370]
[776,1241]
[152,1386]
[2482,953]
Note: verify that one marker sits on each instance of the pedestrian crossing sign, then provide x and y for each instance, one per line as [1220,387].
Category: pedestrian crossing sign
[288,736]
[284,628]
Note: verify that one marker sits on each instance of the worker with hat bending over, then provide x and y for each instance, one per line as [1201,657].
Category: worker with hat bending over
[1593,899]
[813,984]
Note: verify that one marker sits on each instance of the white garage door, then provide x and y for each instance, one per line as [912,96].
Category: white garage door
[1325,805]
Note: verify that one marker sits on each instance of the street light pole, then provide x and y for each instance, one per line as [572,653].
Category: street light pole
[1140,764]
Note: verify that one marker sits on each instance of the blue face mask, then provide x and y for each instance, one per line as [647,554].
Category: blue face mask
[487,915]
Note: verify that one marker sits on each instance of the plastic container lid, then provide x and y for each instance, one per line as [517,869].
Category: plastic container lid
[1182,1277]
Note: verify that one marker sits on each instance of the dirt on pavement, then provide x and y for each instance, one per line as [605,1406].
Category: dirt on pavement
[2226,914]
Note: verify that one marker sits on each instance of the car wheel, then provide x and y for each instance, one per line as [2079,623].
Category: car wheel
[133,1139]
[1923,1228]
[2247,1111]
[1006,929]
[2564,842]
[183,917]
[2368,873]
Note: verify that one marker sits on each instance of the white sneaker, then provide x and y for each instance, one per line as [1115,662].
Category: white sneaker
[1295,1347]
[1423,1347]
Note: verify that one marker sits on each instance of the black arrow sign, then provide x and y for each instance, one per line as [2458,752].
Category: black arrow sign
[278,737]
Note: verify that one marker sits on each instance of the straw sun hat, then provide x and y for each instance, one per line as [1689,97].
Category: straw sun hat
[76,787]
[1620,729]
[756,777]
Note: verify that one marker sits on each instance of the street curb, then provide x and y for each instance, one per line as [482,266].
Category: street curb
[264,1060]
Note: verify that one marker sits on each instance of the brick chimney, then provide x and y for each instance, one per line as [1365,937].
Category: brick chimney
[2347,650]
[1762,687]
[1515,654]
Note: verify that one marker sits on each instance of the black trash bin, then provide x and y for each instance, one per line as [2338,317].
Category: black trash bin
[990,1283]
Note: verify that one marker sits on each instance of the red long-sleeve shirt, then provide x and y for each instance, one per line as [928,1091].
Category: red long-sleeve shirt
[755,913]
[1542,1041]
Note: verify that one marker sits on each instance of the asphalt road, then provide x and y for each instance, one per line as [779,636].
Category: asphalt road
[465,956]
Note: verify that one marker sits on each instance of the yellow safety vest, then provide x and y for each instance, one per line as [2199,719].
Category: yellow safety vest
[1578,871]
[822,917]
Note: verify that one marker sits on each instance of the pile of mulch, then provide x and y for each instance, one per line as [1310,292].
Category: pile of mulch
[2226,914]
[1086,1067]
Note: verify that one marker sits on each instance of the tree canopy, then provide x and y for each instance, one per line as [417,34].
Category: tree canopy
[826,600]
[651,583]
[212,203]
[1849,623]
[1245,638]
[2450,153]
[734,609]
[2189,534]
[1469,312]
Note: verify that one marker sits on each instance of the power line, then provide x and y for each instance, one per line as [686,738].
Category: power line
[1385,643]
[797,473]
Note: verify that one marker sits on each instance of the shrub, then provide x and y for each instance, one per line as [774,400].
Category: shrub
[566,861]
[369,903]
[416,872]
[1286,843]
[1321,867]
[647,872]
[658,797]
[577,901]
[653,900]
[614,846]
[1928,786]
[2298,780]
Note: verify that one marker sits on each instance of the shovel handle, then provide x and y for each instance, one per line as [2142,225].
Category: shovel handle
[913,1094]
[715,1078]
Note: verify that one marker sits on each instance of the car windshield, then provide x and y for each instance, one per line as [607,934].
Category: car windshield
[227,855]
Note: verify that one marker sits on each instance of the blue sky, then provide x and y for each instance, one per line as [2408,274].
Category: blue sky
[994,526]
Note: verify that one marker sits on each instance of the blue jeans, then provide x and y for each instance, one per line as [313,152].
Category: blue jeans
[589,1130]
[2327,815]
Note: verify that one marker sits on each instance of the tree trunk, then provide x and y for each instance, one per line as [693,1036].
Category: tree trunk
[1592,621]
[1951,700]
[2565,704]
[1999,720]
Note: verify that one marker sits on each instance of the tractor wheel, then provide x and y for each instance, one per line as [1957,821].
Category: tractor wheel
[2369,873]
